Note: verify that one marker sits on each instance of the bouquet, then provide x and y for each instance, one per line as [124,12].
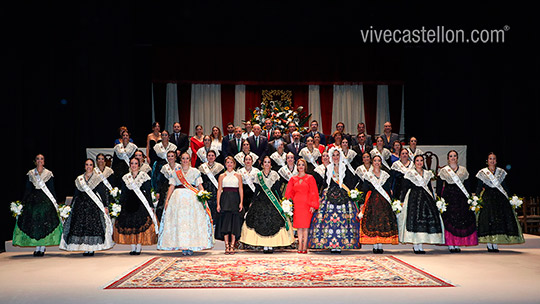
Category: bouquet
[397,206]
[441,204]
[154,197]
[475,203]
[115,193]
[287,206]
[356,196]
[16,208]
[516,202]
[64,211]
[203,196]
[114,209]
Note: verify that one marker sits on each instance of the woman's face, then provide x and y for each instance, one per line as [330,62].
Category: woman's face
[215,132]
[185,160]
[404,155]
[317,139]
[165,136]
[248,126]
[139,155]
[245,146]
[335,157]
[301,167]
[229,164]
[211,157]
[397,147]
[325,158]
[88,166]
[492,160]
[199,131]
[125,137]
[134,165]
[412,142]
[290,159]
[380,142]
[248,161]
[207,141]
[366,159]
[377,162]
[267,164]
[156,128]
[419,163]
[171,158]
[452,158]
[101,161]
[281,147]
[345,144]
[309,142]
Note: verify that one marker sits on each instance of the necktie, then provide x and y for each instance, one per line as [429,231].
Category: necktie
[296,145]
[362,149]
[238,144]
[257,141]
[176,137]
[269,134]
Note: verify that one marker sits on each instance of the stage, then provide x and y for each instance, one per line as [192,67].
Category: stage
[478,276]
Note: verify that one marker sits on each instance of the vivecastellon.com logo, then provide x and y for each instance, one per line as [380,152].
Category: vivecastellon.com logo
[438,34]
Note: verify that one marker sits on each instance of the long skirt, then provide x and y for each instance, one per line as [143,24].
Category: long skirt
[420,221]
[185,224]
[497,221]
[229,220]
[459,220]
[134,225]
[378,224]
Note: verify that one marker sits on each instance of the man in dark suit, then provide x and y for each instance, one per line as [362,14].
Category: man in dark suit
[268,130]
[181,140]
[258,144]
[274,144]
[314,126]
[296,145]
[361,128]
[341,128]
[230,132]
[388,137]
[235,144]
[360,148]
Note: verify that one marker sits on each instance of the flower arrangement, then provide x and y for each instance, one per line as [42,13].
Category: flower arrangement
[287,206]
[16,208]
[64,211]
[397,206]
[441,204]
[203,196]
[281,113]
[516,202]
[154,197]
[356,196]
[115,209]
[115,193]
[475,203]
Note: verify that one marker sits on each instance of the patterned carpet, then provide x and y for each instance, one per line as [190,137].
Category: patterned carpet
[281,272]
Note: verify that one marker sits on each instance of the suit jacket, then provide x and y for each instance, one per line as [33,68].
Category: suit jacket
[290,148]
[358,159]
[369,140]
[260,151]
[182,143]
[347,136]
[233,148]
[323,138]
[388,144]
[265,134]
[272,148]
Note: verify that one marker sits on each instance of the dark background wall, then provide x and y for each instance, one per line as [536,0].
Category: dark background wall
[76,73]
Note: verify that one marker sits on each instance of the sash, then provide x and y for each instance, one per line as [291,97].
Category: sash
[103,178]
[456,180]
[186,184]
[133,186]
[361,171]
[377,184]
[285,171]
[96,200]
[272,198]
[376,152]
[247,179]
[41,185]
[348,164]
[121,152]
[209,174]
[278,159]
[420,181]
[494,181]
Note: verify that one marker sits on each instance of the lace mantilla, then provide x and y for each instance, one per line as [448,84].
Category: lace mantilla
[286,173]
[370,176]
[240,157]
[128,150]
[215,169]
[417,179]
[138,180]
[251,174]
[400,167]
[93,182]
[145,168]
[461,172]
[279,159]
[310,156]
[320,169]
[167,171]
[201,153]
[499,175]
[361,171]
[106,172]
[162,151]
[270,180]
[193,176]
[351,154]
[45,176]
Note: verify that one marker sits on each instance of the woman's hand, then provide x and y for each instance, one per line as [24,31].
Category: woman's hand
[241,207]
[218,208]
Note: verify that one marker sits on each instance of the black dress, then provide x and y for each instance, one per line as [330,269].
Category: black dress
[229,219]
[216,170]
[120,166]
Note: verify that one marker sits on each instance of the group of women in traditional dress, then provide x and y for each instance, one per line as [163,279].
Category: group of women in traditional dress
[246,200]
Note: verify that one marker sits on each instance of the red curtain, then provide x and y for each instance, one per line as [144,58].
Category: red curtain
[184,106]
[227,106]
[327,95]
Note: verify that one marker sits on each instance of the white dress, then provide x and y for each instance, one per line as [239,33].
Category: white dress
[185,224]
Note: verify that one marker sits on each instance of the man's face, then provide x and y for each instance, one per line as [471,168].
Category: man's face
[292,128]
[361,139]
[256,130]
[296,137]
[277,133]
[268,124]
[361,128]
[238,132]
[387,127]
[177,128]
[230,129]
[314,127]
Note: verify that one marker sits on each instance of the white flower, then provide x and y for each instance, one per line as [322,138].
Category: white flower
[441,205]
[16,208]
[64,211]
[515,201]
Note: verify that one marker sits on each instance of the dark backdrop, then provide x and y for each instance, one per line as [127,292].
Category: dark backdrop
[76,73]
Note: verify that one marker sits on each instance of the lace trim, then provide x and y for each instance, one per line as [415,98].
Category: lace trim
[400,167]
[252,174]
[106,173]
[139,179]
[320,170]
[361,171]
[145,168]
[93,182]
[193,176]
[45,176]
[286,173]
[128,150]
[462,173]
[240,157]
[304,153]
[351,154]
[201,153]
[415,178]
[167,171]
[215,169]
[370,176]
[161,151]
[500,175]
[270,180]
[279,159]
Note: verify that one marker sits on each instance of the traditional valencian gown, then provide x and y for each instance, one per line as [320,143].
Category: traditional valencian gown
[266,224]
[248,180]
[497,221]
[210,175]
[397,174]
[385,156]
[285,175]
[420,221]
[305,195]
[160,159]
[120,161]
[278,160]
[167,173]
[412,154]
[104,188]
[361,171]
[88,227]
[459,220]
[239,157]
[230,219]
[335,225]
[38,224]
[312,158]
[378,224]
[201,156]
[186,224]
[137,223]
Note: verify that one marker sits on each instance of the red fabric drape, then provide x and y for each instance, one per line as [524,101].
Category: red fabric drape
[327,99]
[253,99]
[227,106]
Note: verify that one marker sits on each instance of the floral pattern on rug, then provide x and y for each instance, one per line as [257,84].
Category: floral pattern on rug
[281,272]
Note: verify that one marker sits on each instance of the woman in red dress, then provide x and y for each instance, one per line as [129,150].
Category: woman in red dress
[302,190]
[195,143]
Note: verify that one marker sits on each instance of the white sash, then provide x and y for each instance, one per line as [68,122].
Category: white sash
[361,171]
[377,183]
[348,164]
[133,186]
[286,173]
[97,201]
[209,174]
[103,178]
[41,185]
[496,183]
[247,178]
[456,180]
[278,159]
[376,152]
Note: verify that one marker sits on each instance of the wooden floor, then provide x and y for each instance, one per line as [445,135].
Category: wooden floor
[510,276]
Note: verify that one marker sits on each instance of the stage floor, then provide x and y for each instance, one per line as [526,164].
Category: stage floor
[510,276]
